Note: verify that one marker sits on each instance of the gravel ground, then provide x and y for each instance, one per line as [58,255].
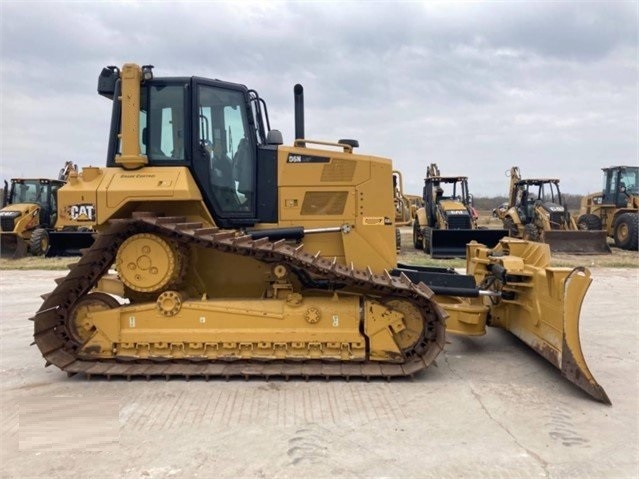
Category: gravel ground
[491,408]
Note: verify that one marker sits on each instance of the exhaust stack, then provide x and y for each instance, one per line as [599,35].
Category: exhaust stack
[298,95]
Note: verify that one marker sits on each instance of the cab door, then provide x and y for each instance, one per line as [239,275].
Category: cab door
[224,153]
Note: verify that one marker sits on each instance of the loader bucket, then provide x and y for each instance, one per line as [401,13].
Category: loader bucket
[577,242]
[12,246]
[541,306]
[68,243]
[452,243]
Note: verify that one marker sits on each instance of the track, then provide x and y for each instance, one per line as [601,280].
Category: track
[52,336]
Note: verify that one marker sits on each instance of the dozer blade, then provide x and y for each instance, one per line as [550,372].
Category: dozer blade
[577,242]
[541,306]
[68,243]
[12,246]
[452,243]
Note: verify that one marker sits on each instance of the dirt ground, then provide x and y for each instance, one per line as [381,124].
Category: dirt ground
[490,408]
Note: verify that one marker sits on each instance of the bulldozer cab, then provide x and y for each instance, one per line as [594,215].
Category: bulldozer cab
[620,183]
[212,127]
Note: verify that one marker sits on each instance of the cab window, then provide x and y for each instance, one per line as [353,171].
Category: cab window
[222,132]
[162,123]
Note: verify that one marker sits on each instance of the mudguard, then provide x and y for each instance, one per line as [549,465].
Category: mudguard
[452,243]
[12,246]
[537,303]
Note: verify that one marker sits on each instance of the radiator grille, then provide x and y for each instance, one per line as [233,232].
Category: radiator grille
[556,221]
[324,203]
[338,170]
[7,223]
[459,222]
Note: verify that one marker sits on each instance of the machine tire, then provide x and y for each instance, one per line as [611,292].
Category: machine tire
[417,243]
[626,232]
[531,233]
[39,242]
[426,240]
[589,222]
[509,225]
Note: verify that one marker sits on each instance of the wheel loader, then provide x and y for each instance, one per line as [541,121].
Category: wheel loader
[223,253]
[616,208]
[28,218]
[448,221]
[536,212]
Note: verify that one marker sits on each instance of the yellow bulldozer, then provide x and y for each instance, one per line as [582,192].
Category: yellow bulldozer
[616,208]
[223,253]
[28,218]
[536,212]
[448,221]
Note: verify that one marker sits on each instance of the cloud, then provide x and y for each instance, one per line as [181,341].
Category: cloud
[476,87]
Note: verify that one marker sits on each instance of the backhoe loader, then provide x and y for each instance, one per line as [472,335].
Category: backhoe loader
[28,208]
[616,208]
[223,253]
[536,212]
[448,221]
[28,217]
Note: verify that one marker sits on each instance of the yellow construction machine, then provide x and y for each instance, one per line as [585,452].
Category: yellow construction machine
[615,209]
[406,206]
[223,253]
[536,212]
[448,222]
[28,217]
[28,208]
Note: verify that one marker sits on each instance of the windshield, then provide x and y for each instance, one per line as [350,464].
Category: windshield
[452,190]
[26,192]
[629,180]
[546,192]
[162,134]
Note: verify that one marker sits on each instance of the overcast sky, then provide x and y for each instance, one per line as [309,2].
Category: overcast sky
[476,87]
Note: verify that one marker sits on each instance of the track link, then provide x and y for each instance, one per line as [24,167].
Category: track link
[52,336]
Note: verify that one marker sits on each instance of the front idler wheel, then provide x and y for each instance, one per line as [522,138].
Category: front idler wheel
[79,324]
[409,337]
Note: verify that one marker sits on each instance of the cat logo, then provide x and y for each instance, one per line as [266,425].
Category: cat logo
[82,212]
